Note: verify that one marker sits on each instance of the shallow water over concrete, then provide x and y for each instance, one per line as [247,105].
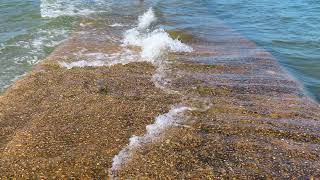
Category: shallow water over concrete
[246,118]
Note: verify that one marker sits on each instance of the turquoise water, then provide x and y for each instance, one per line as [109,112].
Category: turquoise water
[26,37]
[30,29]
[290,30]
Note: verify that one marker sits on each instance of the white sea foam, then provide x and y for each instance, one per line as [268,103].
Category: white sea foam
[34,47]
[49,38]
[116,25]
[158,43]
[55,8]
[154,44]
[162,80]
[153,133]
[101,59]
[82,64]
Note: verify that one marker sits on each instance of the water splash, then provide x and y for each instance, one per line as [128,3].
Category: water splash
[146,20]
[153,133]
[154,44]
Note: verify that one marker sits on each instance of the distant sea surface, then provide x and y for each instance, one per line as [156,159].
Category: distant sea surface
[290,30]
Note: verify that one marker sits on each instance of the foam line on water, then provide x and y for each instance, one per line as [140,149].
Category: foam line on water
[116,25]
[56,8]
[101,59]
[153,133]
[82,64]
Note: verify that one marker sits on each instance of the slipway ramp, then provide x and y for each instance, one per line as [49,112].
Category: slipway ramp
[95,109]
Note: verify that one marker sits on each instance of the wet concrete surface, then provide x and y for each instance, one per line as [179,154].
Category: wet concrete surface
[258,123]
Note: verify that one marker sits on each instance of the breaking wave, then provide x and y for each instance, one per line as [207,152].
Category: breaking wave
[154,44]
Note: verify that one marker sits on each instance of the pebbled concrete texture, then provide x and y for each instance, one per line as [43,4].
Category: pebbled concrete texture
[250,118]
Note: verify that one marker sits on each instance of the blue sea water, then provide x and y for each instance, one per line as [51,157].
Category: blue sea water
[290,30]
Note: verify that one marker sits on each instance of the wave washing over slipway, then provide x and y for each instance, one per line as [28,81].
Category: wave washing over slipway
[155,45]
[101,59]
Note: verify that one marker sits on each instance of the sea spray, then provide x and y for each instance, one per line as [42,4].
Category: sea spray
[154,44]
[158,43]
[146,19]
